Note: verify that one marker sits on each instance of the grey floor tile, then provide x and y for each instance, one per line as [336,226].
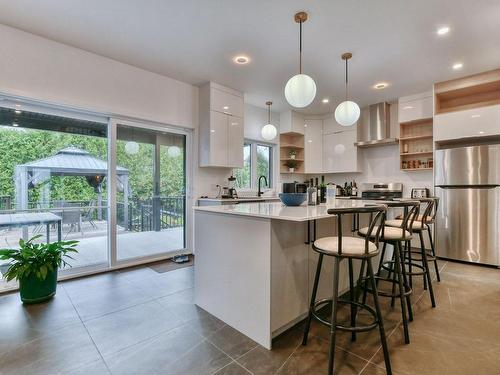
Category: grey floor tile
[93,368]
[62,351]
[167,283]
[232,342]
[203,359]
[93,301]
[153,355]
[21,323]
[233,368]
[118,330]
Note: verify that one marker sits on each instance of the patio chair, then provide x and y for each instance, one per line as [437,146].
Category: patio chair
[88,214]
[74,219]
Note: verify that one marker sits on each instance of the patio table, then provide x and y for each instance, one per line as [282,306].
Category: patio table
[32,218]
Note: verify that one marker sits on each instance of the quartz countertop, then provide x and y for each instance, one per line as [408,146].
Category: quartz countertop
[278,211]
[246,199]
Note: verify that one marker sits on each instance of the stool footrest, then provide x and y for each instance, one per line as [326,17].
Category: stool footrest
[340,327]
[383,293]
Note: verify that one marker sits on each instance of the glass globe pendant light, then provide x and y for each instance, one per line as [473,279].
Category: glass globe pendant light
[300,90]
[269,131]
[347,112]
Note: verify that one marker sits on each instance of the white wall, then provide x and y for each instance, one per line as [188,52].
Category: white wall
[42,69]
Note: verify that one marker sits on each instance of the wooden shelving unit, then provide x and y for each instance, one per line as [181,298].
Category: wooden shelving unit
[478,90]
[291,142]
[416,138]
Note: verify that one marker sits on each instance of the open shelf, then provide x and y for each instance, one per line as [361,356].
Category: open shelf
[416,153]
[478,90]
[292,142]
[416,137]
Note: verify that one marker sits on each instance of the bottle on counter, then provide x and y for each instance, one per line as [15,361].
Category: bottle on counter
[354,191]
[318,191]
[322,189]
[331,190]
[311,194]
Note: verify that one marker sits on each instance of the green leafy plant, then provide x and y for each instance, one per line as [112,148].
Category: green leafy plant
[36,258]
[291,163]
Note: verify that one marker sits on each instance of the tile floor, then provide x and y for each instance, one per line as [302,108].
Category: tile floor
[140,321]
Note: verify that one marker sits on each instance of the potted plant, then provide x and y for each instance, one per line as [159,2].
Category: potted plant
[291,164]
[35,266]
[292,154]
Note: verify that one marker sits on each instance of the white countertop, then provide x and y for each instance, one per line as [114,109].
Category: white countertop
[278,211]
[247,199]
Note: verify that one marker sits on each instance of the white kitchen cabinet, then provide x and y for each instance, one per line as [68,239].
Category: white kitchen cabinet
[291,122]
[330,125]
[415,107]
[235,136]
[340,155]
[477,122]
[221,132]
[313,145]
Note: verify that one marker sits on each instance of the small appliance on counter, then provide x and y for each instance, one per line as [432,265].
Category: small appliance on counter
[420,193]
[294,187]
[382,191]
[228,192]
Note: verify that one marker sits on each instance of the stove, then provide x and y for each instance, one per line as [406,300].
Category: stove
[382,191]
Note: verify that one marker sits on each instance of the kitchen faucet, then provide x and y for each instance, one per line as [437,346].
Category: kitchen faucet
[259,193]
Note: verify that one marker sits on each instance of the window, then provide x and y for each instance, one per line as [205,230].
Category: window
[257,161]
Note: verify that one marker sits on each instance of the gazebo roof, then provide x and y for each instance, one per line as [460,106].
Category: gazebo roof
[72,161]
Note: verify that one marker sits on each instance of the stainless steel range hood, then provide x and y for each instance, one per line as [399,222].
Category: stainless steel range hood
[376,130]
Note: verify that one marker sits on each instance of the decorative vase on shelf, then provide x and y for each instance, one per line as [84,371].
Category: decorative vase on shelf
[291,170]
[292,156]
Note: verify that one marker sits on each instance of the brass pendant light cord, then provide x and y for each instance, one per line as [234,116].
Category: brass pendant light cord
[300,48]
[269,111]
[346,78]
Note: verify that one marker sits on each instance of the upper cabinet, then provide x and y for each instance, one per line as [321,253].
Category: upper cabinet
[340,155]
[415,107]
[221,133]
[467,107]
[313,144]
[291,122]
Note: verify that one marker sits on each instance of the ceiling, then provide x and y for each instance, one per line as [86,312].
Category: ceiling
[394,41]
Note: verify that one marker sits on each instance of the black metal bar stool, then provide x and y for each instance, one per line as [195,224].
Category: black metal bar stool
[349,248]
[421,263]
[396,267]
[429,220]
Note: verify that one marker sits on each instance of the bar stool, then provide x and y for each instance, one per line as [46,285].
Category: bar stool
[349,248]
[422,263]
[429,220]
[394,236]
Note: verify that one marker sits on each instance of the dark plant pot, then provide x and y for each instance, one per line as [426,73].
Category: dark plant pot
[34,290]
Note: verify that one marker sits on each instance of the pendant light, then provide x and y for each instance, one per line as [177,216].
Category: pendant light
[347,112]
[269,131]
[300,90]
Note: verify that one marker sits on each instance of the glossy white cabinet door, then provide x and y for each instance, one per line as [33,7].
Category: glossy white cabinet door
[478,122]
[330,125]
[416,109]
[218,139]
[235,137]
[339,152]
[313,144]
[225,102]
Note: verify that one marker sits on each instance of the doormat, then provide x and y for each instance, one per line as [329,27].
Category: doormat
[168,265]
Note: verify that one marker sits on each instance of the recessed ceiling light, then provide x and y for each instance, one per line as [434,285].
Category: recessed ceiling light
[225,107]
[408,107]
[475,116]
[17,111]
[443,30]
[242,60]
[326,100]
[481,132]
[457,66]
[380,85]
[15,125]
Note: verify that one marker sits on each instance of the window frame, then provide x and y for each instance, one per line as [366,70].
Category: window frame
[253,163]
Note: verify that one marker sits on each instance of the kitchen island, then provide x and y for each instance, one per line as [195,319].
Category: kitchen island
[254,265]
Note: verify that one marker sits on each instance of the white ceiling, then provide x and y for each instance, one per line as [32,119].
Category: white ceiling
[194,41]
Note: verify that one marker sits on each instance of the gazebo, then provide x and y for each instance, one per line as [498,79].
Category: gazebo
[70,161]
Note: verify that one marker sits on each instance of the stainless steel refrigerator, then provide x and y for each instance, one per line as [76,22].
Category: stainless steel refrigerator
[467,181]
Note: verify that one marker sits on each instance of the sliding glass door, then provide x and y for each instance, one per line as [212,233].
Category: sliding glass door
[150,198]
